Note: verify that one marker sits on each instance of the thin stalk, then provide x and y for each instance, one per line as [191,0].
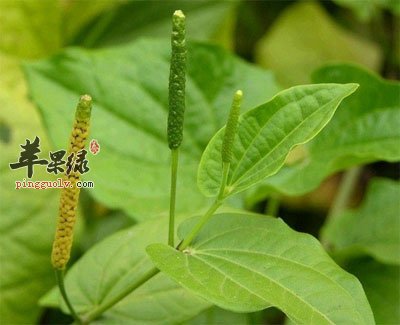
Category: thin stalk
[346,190]
[174,174]
[153,271]
[61,286]
[210,212]
[203,220]
[134,285]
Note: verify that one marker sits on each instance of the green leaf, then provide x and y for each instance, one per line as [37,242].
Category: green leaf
[20,22]
[267,133]
[304,37]
[134,19]
[373,229]
[247,262]
[111,265]
[130,113]
[368,9]
[363,130]
[382,286]
[28,216]
[215,315]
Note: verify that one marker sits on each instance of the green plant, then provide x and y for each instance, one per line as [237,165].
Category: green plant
[232,257]
[251,273]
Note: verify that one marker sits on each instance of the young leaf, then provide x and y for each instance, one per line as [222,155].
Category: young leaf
[111,265]
[267,133]
[132,103]
[364,129]
[270,265]
[372,229]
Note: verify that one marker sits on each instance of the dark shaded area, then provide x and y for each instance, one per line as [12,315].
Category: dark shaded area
[254,18]
[52,316]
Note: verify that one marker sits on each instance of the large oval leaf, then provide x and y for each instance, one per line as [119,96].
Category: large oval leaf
[110,266]
[248,262]
[267,133]
[363,130]
[130,113]
[28,216]
[382,286]
[379,236]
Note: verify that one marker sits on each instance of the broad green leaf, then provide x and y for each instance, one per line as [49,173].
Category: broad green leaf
[110,266]
[215,315]
[304,37]
[373,229]
[382,287]
[247,262]
[363,130]
[77,15]
[134,19]
[130,113]
[28,216]
[267,133]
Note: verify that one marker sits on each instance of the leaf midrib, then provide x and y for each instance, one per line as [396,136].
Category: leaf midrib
[280,142]
[263,276]
[267,231]
[278,258]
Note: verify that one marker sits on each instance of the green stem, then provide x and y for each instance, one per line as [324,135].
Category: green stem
[203,220]
[174,174]
[273,206]
[344,194]
[61,286]
[134,285]
[152,272]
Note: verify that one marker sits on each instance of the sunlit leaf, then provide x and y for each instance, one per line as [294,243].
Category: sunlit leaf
[246,263]
[110,266]
[131,172]
[267,133]
[363,130]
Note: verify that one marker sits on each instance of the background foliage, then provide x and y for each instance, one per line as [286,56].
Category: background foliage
[118,51]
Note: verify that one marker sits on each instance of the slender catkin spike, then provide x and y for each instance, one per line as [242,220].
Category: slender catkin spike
[231,127]
[70,195]
[177,81]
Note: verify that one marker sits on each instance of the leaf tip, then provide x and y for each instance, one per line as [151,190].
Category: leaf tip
[352,87]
